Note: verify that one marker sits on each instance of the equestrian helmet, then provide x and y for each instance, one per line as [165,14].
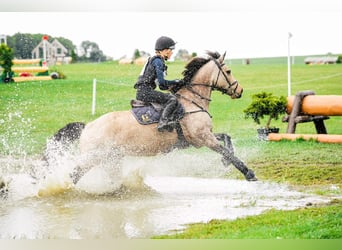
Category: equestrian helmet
[164,42]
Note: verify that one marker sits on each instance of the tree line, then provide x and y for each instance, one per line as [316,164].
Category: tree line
[23,44]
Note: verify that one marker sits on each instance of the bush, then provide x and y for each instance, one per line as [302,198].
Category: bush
[339,59]
[6,57]
[265,104]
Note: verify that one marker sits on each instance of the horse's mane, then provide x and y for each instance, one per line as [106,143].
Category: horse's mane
[196,63]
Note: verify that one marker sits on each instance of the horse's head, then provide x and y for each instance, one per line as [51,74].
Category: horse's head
[224,80]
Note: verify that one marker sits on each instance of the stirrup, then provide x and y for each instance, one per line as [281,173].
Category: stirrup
[165,126]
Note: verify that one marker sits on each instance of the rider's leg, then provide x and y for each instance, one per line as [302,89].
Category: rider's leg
[171,105]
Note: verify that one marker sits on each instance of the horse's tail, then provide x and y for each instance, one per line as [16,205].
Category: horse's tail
[61,141]
[69,133]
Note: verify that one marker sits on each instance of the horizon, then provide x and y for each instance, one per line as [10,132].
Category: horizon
[244,30]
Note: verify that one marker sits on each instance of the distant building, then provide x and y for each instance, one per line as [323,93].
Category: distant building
[321,60]
[55,52]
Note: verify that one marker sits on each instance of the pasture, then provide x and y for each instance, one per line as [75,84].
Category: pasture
[31,112]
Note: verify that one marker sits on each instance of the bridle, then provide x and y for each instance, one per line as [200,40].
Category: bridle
[212,86]
[222,90]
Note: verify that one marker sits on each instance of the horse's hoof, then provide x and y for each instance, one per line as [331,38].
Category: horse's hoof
[250,176]
[253,179]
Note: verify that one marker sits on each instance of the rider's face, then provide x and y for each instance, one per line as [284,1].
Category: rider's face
[167,53]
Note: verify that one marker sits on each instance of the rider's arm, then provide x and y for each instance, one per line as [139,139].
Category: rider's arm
[161,81]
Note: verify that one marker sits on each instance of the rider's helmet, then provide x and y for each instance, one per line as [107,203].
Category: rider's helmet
[164,42]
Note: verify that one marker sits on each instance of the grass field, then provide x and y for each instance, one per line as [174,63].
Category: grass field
[30,112]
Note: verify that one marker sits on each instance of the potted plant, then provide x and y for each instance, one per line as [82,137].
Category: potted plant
[266,105]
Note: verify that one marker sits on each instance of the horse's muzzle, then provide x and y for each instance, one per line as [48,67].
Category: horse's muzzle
[237,95]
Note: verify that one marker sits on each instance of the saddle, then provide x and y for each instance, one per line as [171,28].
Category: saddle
[148,113]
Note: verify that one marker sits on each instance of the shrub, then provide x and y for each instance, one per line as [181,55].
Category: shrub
[6,57]
[265,104]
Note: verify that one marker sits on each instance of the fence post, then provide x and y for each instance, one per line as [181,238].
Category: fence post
[94,97]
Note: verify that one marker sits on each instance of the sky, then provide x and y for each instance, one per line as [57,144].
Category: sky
[242,28]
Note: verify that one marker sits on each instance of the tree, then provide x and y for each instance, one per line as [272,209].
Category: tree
[87,47]
[184,55]
[91,52]
[96,55]
[74,56]
[136,54]
[6,57]
[339,59]
[23,44]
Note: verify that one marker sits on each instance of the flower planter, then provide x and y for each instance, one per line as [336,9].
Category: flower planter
[263,132]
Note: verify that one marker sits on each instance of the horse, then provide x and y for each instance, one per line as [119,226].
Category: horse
[120,134]
[117,134]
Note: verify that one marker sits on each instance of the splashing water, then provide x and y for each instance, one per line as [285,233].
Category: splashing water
[135,198]
[162,194]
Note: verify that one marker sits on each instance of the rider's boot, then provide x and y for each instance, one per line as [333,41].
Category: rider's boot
[164,123]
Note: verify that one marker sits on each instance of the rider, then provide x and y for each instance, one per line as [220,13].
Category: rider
[152,75]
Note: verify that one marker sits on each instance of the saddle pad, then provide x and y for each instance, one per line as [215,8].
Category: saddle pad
[146,115]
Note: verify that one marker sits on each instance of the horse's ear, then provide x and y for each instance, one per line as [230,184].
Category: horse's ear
[221,59]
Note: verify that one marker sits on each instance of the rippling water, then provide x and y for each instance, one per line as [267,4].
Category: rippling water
[162,194]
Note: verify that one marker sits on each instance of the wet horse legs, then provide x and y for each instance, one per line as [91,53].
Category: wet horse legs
[227,152]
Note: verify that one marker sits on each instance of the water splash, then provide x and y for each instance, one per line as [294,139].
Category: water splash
[183,188]
[162,194]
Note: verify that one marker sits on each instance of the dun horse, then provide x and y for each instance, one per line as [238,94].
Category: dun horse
[121,134]
[116,134]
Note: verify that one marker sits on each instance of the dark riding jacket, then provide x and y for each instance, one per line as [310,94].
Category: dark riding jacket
[153,74]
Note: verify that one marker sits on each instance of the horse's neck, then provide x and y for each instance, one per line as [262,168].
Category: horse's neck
[197,92]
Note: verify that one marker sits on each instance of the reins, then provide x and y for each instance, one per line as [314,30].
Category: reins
[213,87]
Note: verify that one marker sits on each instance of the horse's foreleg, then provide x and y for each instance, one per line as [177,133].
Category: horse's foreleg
[227,144]
[229,157]
[227,151]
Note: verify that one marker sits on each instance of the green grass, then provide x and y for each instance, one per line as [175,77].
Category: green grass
[304,223]
[30,112]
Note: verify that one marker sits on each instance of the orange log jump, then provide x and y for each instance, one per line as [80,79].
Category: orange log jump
[29,69]
[330,105]
[26,61]
[32,78]
[318,137]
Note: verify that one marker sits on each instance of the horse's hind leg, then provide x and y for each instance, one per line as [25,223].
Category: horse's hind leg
[227,151]
[99,158]
[78,173]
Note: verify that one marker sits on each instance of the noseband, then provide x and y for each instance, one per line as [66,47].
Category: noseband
[222,90]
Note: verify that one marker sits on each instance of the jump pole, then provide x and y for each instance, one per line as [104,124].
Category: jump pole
[94,97]
[325,138]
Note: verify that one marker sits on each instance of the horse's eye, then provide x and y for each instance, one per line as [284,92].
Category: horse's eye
[228,71]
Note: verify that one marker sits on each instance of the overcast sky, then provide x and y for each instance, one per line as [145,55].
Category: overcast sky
[243,28]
